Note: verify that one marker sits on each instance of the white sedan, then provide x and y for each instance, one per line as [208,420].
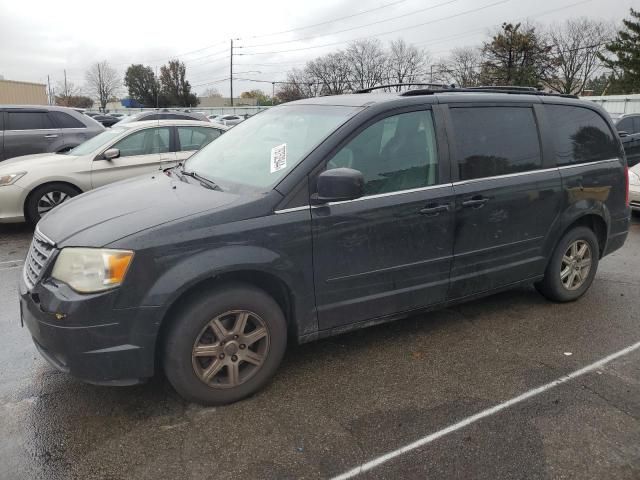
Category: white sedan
[634,187]
[32,185]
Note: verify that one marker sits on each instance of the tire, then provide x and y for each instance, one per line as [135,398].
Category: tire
[557,285]
[209,379]
[49,195]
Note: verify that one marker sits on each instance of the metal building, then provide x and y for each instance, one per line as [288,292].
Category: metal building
[22,93]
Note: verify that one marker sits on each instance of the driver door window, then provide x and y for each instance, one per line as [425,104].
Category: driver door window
[394,154]
[145,142]
[141,152]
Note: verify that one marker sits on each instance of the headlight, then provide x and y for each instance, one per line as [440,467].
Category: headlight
[9,178]
[634,178]
[88,270]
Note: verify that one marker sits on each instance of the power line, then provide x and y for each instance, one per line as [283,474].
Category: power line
[448,2]
[328,21]
[484,7]
[483,29]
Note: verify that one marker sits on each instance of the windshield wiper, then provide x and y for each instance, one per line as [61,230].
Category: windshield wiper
[203,180]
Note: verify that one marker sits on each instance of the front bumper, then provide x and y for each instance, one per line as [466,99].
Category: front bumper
[634,197]
[12,204]
[84,335]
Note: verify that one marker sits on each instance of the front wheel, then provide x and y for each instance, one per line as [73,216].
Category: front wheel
[572,267]
[46,197]
[226,345]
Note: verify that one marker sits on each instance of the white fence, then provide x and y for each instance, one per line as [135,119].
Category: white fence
[618,103]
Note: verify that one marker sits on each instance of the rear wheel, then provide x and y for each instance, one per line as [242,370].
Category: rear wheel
[226,345]
[46,197]
[572,267]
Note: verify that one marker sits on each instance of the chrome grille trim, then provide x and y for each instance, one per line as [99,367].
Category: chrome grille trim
[40,252]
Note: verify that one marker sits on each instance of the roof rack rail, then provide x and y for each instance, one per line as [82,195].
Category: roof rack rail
[488,89]
[514,88]
[441,86]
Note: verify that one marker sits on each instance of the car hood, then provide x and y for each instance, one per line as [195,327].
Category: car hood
[29,162]
[107,214]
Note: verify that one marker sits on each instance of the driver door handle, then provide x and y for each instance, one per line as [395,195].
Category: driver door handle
[433,209]
[52,135]
[475,202]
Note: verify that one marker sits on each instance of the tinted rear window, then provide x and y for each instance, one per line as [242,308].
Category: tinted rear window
[625,125]
[29,121]
[580,135]
[495,141]
[64,120]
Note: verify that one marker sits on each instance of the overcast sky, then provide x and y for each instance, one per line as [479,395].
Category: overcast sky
[40,38]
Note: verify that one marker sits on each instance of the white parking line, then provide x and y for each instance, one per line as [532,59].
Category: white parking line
[483,414]
[10,268]
[17,260]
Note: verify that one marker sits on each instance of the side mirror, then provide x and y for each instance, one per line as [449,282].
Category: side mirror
[339,184]
[111,153]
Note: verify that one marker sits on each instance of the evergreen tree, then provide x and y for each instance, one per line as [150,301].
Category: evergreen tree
[625,49]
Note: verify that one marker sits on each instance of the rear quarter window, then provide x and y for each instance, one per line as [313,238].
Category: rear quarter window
[580,135]
[64,120]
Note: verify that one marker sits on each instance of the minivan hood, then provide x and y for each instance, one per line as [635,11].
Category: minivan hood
[29,162]
[107,214]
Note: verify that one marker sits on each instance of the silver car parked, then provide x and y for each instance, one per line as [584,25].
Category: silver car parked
[43,129]
[32,185]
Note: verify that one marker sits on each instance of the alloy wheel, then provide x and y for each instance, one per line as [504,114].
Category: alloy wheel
[49,200]
[230,349]
[576,264]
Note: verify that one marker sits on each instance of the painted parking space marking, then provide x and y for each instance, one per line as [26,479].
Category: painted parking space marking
[371,464]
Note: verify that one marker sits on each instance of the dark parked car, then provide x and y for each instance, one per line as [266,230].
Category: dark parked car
[321,216]
[106,120]
[165,115]
[25,130]
[628,126]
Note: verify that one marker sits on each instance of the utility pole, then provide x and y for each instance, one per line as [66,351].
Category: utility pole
[49,91]
[231,73]
[65,83]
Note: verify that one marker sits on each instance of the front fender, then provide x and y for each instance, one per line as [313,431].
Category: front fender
[174,275]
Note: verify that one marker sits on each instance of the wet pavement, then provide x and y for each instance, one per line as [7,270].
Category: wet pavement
[343,401]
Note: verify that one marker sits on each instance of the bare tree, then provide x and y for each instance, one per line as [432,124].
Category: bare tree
[103,82]
[332,71]
[65,92]
[368,63]
[212,92]
[405,63]
[577,44]
[463,67]
[299,85]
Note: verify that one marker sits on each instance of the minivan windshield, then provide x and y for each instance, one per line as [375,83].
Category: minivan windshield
[96,142]
[260,151]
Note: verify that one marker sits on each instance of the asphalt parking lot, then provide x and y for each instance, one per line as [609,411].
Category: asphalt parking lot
[342,402]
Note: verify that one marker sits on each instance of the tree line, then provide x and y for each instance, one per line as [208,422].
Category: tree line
[576,57]
[102,83]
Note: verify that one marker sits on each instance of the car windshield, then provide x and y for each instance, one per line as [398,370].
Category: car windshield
[260,151]
[96,142]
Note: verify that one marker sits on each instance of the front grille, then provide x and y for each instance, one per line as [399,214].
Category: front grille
[40,253]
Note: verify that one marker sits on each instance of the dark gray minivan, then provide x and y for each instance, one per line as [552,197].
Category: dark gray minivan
[321,216]
[29,129]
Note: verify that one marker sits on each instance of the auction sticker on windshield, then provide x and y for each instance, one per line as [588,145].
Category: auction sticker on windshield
[278,158]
